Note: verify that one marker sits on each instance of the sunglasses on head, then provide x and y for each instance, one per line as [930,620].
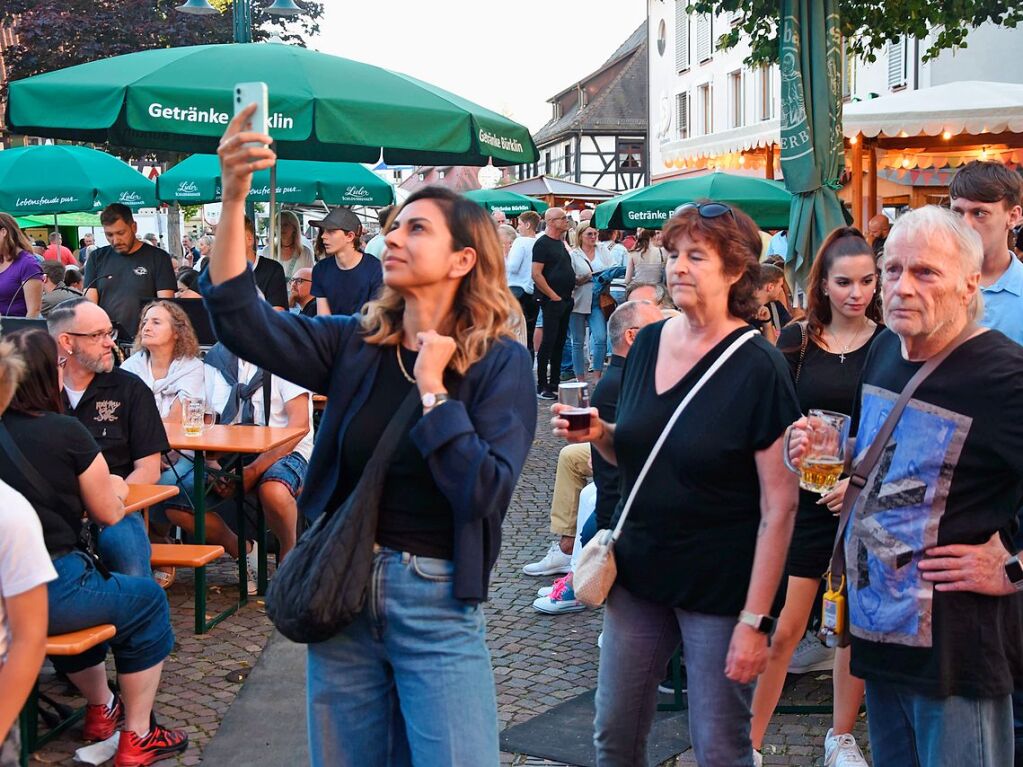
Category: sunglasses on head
[705,209]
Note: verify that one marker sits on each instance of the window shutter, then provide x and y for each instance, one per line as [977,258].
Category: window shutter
[704,37]
[682,107]
[681,35]
[897,63]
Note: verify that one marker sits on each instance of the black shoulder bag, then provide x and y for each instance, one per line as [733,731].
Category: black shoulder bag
[321,586]
[46,496]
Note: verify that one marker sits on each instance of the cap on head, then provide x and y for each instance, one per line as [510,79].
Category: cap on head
[340,218]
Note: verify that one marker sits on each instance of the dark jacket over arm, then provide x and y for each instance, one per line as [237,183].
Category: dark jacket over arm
[475,446]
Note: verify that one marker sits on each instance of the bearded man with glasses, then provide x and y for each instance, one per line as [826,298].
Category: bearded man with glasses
[120,413]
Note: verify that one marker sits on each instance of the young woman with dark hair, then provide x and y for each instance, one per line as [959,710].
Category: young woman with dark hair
[706,536]
[826,354]
[411,674]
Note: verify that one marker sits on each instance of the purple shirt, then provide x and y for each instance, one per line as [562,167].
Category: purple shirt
[12,295]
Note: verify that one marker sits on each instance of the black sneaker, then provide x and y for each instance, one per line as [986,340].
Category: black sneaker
[667,685]
[547,394]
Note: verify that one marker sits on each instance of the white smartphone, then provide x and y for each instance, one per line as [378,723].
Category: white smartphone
[252,93]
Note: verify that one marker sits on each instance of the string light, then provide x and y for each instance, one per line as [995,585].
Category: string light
[983,153]
[946,135]
[854,140]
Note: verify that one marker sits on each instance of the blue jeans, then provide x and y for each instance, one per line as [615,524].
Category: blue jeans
[124,547]
[81,597]
[598,338]
[639,639]
[411,675]
[908,729]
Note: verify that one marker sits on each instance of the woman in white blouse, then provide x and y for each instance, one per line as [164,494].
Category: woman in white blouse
[292,253]
[587,260]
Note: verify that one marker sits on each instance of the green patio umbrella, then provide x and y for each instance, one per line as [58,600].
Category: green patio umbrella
[321,107]
[510,203]
[765,201]
[812,151]
[60,178]
[197,180]
[64,219]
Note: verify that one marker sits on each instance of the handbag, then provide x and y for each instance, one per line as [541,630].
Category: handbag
[607,302]
[321,586]
[596,570]
[834,629]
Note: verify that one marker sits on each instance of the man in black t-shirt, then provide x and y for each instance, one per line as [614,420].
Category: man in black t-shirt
[300,298]
[934,609]
[269,274]
[554,280]
[346,279]
[128,271]
[120,413]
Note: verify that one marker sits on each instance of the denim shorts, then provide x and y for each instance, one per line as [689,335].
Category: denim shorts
[137,607]
[289,471]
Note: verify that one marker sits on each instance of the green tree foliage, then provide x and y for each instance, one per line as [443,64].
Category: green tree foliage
[53,35]
[867,25]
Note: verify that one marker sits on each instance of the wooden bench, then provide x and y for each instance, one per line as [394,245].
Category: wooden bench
[184,555]
[73,643]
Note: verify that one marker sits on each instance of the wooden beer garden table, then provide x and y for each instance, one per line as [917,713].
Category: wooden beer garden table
[141,497]
[238,439]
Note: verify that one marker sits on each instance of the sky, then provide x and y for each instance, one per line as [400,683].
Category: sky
[508,57]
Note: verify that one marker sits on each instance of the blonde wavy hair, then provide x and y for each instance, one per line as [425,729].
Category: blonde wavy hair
[186,345]
[484,306]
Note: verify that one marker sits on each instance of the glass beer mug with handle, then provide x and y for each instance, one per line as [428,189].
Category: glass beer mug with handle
[824,460]
[192,412]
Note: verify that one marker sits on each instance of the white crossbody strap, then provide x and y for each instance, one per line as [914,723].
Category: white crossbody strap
[671,423]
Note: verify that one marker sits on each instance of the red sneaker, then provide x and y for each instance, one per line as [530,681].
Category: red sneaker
[160,743]
[102,722]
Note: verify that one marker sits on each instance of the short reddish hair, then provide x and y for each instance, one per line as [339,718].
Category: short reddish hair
[736,240]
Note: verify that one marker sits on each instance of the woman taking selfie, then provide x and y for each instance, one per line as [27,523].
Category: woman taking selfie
[826,354]
[707,530]
[411,674]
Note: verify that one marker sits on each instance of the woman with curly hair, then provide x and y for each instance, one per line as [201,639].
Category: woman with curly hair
[705,540]
[411,674]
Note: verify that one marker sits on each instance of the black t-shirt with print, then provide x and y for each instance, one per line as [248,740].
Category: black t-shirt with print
[691,533]
[119,411]
[134,279]
[59,461]
[557,266]
[952,473]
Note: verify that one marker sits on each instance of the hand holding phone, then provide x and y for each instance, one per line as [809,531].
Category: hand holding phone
[252,93]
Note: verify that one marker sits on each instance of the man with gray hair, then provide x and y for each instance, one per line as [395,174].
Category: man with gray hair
[934,614]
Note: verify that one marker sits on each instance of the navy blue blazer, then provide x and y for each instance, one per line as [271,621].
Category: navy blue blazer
[475,446]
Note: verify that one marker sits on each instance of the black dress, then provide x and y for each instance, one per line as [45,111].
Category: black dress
[825,383]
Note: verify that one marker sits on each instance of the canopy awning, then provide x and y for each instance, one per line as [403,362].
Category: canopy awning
[543,186]
[742,139]
[969,106]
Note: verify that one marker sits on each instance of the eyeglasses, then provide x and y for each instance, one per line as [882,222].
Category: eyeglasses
[705,209]
[99,335]
[557,218]
[298,279]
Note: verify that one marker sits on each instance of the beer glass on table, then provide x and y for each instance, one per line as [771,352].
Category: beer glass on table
[192,415]
[825,458]
[575,396]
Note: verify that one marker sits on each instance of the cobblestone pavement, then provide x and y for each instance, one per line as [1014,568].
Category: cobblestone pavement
[539,660]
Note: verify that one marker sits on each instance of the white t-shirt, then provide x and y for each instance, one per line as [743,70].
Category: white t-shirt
[73,396]
[184,377]
[24,561]
[519,264]
[281,392]
[376,246]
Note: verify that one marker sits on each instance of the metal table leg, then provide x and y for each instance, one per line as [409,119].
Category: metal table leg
[202,625]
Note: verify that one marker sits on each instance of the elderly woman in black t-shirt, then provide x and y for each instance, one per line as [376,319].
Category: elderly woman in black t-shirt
[702,551]
[73,478]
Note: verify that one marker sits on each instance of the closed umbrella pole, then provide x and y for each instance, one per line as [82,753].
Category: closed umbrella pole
[273,217]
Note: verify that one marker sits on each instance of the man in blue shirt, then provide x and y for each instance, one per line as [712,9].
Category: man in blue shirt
[346,279]
[988,195]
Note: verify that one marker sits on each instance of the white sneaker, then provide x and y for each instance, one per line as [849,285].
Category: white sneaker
[561,599]
[544,591]
[811,655]
[842,751]
[252,568]
[555,562]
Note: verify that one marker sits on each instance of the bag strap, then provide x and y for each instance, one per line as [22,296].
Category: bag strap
[42,489]
[721,360]
[860,473]
[804,339]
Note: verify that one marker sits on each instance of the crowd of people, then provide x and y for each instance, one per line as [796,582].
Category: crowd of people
[465,321]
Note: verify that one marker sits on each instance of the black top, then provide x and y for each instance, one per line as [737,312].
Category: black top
[692,530]
[605,475]
[557,266]
[270,280]
[952,473]
[414,514]
[59,462]
[346,290]
[309,310]
[825,383]
[135,278]
[120,413]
